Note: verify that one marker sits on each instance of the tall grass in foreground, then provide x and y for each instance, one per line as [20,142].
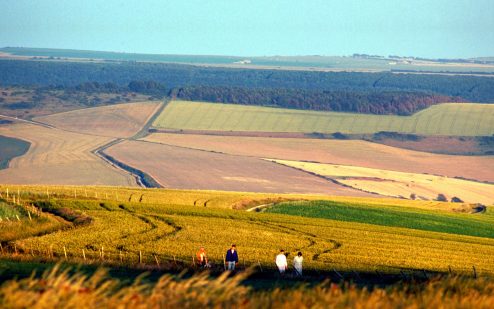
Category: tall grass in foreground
[58,289]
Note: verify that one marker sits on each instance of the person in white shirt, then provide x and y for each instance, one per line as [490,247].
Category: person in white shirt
[281,262]
[297,264]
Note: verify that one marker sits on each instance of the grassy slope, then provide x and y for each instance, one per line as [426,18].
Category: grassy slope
[427,220]
[164,225]
[11,148]
[445,119]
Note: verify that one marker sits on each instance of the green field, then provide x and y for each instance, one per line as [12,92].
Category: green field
[11,148]
[454,119]
[427,220]
[168,225]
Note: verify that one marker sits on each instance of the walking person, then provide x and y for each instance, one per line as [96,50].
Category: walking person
[231,257]
[297,264]
[281,262]
[202,258]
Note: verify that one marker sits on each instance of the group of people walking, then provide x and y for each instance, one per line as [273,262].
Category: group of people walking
[231,260]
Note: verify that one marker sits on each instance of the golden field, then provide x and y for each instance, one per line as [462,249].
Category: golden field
[399,184]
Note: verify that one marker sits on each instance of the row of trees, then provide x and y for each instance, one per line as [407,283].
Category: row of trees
[370,102]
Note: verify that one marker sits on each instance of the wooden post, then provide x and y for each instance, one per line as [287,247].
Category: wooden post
[474,272]
[140,257]
[83,254]
[1,247]
[174,261]
[75,193]
[224,262]
[450,270]
[193,261]
[106,195]
[29,214]
[156,259]
[64,252]
[102,253]
[121,257]
[259,263]
[7,193]
[15,249]
[96,194]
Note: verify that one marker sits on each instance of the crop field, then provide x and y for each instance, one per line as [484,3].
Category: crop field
[399,184]
[345,152]
[175,167]
[121,120]
[463,119]
[59,157]
[11,148]
[166,225]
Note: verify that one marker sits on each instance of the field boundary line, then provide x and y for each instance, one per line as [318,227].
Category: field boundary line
[36,123]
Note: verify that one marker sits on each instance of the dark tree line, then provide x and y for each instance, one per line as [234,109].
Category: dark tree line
[379,93]
[382,102]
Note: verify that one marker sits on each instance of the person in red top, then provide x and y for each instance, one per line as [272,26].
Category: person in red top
[202,258]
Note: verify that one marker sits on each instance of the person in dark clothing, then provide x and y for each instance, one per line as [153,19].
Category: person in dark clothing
[231,257]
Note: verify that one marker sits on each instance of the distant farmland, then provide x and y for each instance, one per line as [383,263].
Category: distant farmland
[453,119]
[399,184]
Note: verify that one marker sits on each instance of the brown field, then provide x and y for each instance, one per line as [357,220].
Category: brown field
[121,120]
[175,167]
[59,157]
[399,184]
[347,152]
[441,144]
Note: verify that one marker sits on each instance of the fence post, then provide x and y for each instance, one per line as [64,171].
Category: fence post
[260,266]
[65,252]
[140,257]
[83,254]
[156,259]
[120,255]
[474,272]
[450,270]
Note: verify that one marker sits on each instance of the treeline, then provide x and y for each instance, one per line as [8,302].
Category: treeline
[470,88]
[376,93]
[382,102]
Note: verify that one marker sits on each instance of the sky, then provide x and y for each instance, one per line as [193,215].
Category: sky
[421,28]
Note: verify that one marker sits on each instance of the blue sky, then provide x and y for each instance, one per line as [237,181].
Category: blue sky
[424,28]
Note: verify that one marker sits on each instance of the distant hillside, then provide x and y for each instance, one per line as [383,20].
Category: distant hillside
[377,93]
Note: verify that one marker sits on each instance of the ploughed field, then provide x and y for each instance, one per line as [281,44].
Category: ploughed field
[182,168]
[344,152]
[123,225]
[463,119]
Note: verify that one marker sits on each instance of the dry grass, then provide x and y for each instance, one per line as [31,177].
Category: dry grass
[399,184]
[59,157]
[59,289]
[351,152]
[122,120]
